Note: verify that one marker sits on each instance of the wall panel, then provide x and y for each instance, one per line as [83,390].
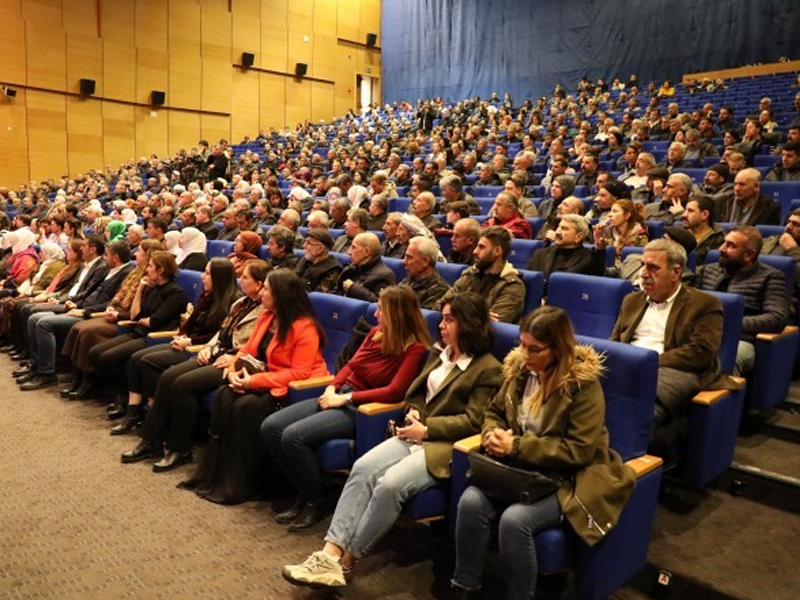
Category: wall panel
[298,101]
[151,131]
[116,19]
[47,135]
[244,105]
[300,51]
[246,37]
[119,133]
[272,107]
[322,101]
[84,61]
[325,17]
[324,56]
[213,128]
[80,16]
[84,134]
[119,72]
[14,162]
[46,47]
[348,19]
[48,12]
[152,72]
[151,25]
[216,56]
[369,20]
[184,130]
[13,65]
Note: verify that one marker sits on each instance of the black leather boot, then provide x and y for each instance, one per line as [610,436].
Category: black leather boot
[134,416]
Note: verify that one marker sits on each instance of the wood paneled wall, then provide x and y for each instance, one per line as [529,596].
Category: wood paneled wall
[186,48]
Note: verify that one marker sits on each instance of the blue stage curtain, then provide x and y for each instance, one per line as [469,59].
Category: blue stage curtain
[462,48]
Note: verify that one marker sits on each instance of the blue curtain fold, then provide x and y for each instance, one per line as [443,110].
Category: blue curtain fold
[462,48]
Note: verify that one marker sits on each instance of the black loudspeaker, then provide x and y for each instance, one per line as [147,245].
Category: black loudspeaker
[87,86]
[248,59]
[157,97]
[10,92]
[300,69]
[372,39]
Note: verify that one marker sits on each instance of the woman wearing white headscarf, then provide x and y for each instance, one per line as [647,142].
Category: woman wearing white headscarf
[172,241]
[411,226]
[193,250]
[128,217]
[23,259]
[52,261]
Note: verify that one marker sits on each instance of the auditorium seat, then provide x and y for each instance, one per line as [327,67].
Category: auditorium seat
[592,303]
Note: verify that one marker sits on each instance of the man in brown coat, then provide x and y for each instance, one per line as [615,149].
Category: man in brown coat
[684,326]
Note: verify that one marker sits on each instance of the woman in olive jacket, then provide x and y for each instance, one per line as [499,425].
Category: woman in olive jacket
[548,416]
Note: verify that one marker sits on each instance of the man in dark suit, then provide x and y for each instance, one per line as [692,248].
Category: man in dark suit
[748,205]
[684,326]
[44,328]
[567,253]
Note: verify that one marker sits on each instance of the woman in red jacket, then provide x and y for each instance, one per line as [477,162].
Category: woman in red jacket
[285,346]
[389,359]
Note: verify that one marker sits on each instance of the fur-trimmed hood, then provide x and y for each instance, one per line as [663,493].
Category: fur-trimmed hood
[588,365]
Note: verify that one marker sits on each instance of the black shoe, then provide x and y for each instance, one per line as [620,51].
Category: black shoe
[25,378]
[39,382]
[290,514]
[133,418]
[313,513]
[172,460]
[117,411]
[142,451]
[22,371]
[8,348]
[18,356]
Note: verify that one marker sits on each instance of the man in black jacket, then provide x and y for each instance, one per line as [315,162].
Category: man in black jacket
[44,327]
[567,253]
[366,275]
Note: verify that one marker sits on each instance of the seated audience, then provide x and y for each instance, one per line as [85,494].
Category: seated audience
[247,244]
[366,275]
[192,244]
[422,276]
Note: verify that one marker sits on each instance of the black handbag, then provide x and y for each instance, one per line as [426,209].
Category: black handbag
[502,482]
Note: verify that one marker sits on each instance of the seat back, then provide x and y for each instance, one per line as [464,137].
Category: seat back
[592,303]
[192,284]
[521,251]
[732,315]
[534,289]
[338,316]
[783,192]
[629,387]
[218,248]
[450,271]
[506,338]
[396,265]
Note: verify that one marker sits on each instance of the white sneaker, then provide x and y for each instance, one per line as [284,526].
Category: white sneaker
[319,570]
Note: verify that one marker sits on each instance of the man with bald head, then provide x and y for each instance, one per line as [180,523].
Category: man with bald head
[748,205]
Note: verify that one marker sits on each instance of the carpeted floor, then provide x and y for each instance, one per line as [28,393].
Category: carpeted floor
[75,523]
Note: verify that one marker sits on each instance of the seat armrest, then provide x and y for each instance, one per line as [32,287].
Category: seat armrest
[376,408]
[469,444]
[644,464]
[771,337]
[194,349]
[312,382]
[127,323]
[708,397]
[162,335]
[94,315]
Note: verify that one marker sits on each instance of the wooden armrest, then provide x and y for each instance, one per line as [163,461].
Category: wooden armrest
[644,464]
[709,397]
[376,408]
[160,335]
[469,444]
[97,314]
[771,337]
[127,323]
[304,384]
[194,349]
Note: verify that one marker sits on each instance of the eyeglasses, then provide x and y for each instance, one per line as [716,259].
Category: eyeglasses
[533,349]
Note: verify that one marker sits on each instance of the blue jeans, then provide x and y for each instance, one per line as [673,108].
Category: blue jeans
[43,327]
[380,482]
[518,524]
[292,435]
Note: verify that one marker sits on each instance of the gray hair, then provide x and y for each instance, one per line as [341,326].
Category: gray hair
[579,222]
[676,254]
[426,246]
[684,180]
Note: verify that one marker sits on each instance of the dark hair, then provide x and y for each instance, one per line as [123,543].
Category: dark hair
[121,249]
[223,288]
[97,242]
[498,236]
[291,302]
[258,269]
[705,203]
[159,222]
[471,312]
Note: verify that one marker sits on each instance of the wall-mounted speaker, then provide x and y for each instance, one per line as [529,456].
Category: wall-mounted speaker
[10,92]
[248,58]
[87,86]
[300,69]
[157,97]
[372,39]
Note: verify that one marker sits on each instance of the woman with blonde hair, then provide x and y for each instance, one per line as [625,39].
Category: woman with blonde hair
[549,416]
[380,371]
